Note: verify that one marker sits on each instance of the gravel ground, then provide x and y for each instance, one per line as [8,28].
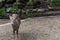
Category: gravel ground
[38,28]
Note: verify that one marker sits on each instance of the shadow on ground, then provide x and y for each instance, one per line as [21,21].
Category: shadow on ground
[27,36]
[22,36]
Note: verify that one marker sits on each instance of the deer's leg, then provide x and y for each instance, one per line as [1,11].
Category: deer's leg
[13,30]
[17,29]
[14,33]
[17,33]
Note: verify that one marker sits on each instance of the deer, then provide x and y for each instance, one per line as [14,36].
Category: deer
[15,22]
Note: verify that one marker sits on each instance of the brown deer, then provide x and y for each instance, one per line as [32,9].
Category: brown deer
[15,23]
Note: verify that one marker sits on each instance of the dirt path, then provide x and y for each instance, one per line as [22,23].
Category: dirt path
[38,28]
[3,21]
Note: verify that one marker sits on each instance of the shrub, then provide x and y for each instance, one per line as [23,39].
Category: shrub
[30,13]
[3,14]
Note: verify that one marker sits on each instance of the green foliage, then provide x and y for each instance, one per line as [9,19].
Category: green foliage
[23,14]
[26,13]
[1,0]
[14,8]
[3,14]
[8,0]
[30,3]
[30,13]
[55,3]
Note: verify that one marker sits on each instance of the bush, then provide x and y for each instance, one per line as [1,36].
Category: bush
[55,3]
[23,14]
[3,14]
[30,13]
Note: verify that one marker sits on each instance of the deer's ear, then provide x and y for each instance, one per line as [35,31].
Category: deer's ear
[10,17]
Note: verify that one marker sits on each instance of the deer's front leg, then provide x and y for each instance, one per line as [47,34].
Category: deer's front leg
[17,33]
[13,30]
